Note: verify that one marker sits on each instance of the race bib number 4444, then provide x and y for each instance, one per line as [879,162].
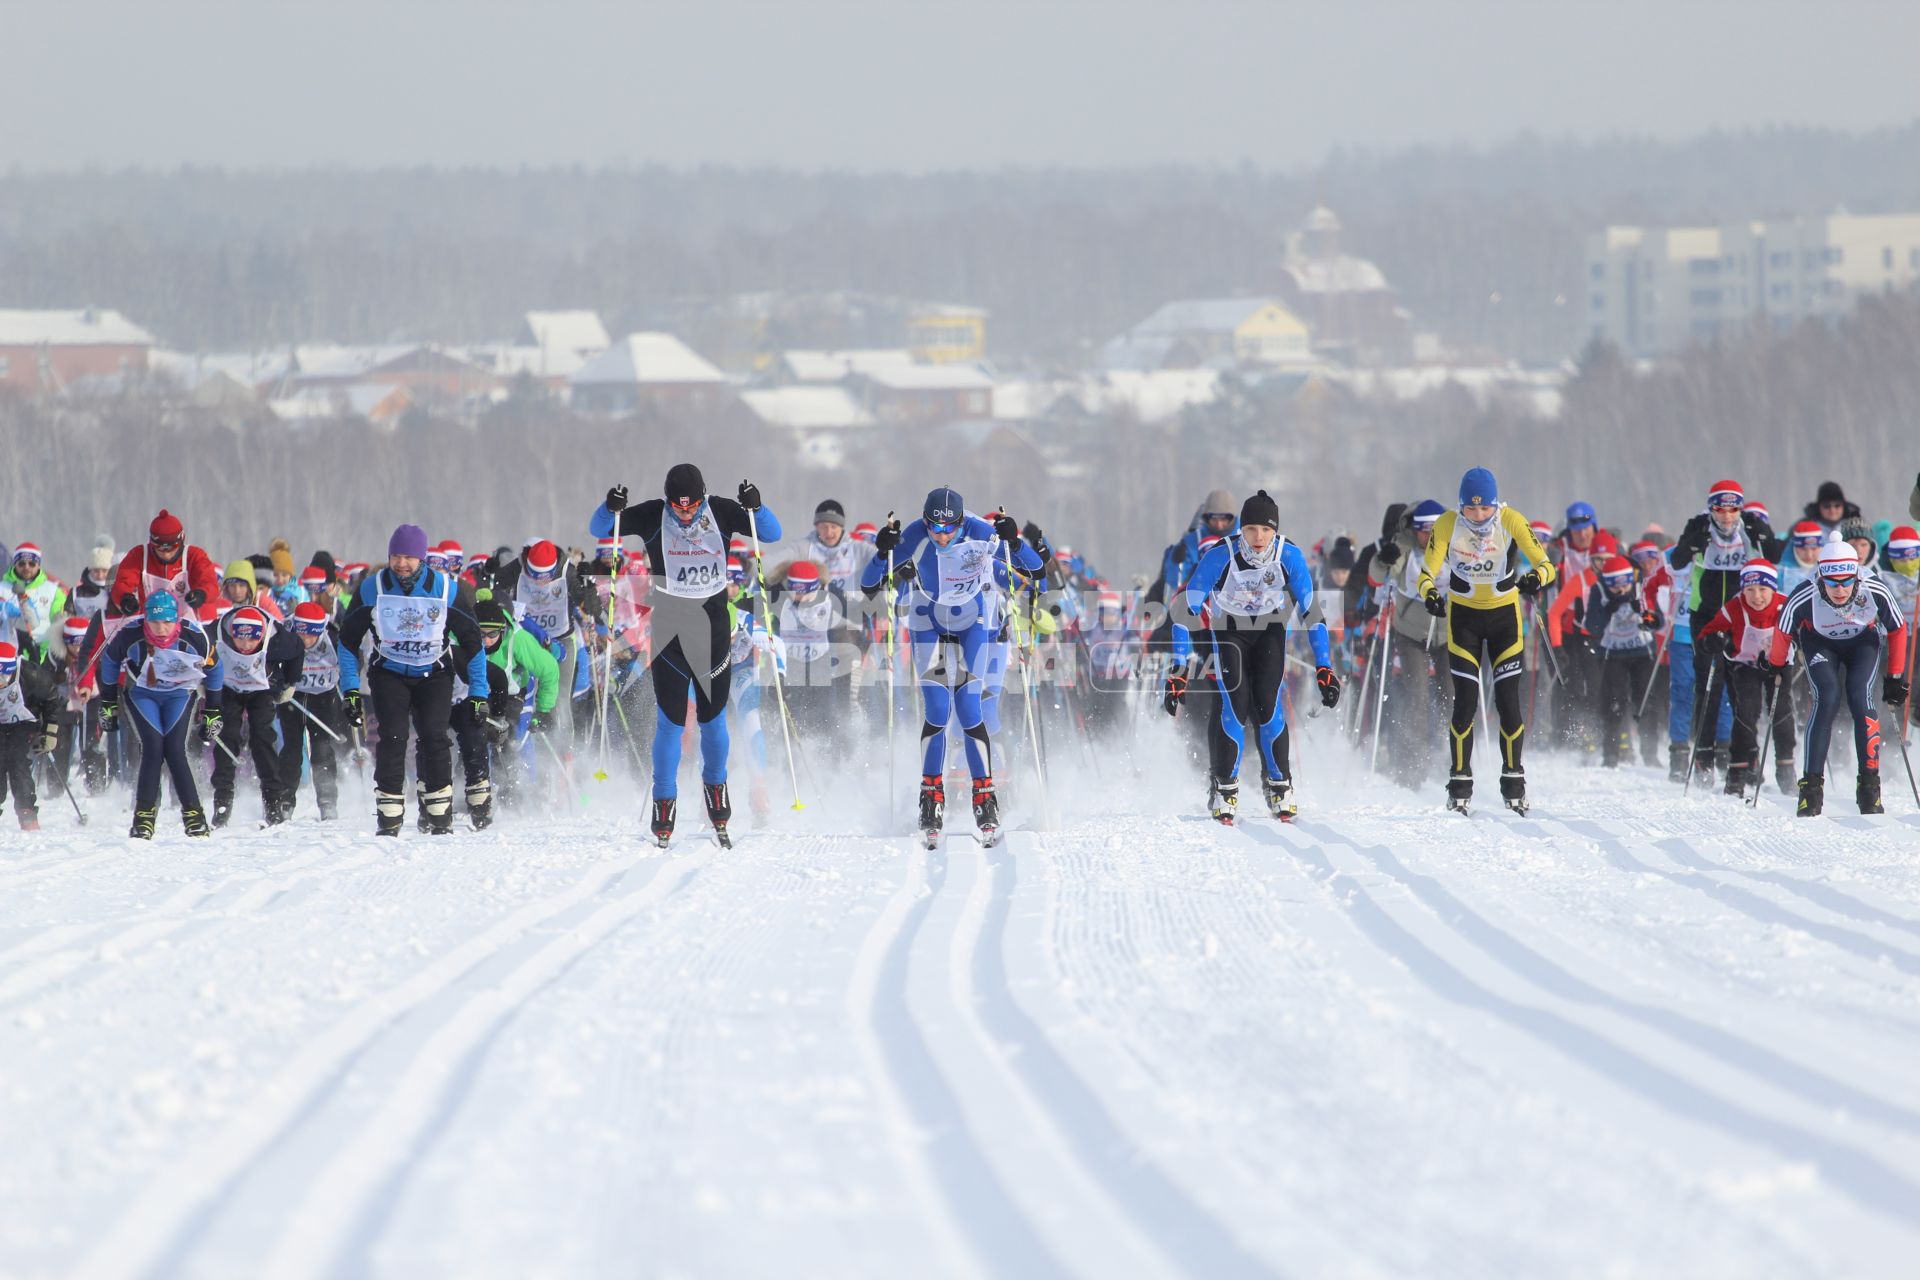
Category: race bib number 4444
[412,629]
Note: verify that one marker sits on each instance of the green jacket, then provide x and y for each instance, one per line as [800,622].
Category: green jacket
[521,657]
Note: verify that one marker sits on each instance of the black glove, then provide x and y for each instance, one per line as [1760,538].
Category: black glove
[1711,646]
[110,717]
[480,708]
[196,598]
[1756,527]
[1435,602]
[1388,554]
[1329,686]
[209,727]
[617,499]
[1894,691]
[1005,529]
[904,572]
[129,603]
[1694,537]
[1031,532]
[749,496]
[1530,583]
[1650,619]
[1176,691]
[356,718]
[1765,663]
[542,721]
[887,539]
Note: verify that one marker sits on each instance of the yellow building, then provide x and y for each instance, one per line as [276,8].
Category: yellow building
[947,334]
[1212,332]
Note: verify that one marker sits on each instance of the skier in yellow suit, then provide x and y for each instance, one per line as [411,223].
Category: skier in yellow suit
[1491,558]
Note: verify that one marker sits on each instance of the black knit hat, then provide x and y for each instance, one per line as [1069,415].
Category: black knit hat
[1260,509]
[1830,491]
[490,615]
[831,512]
[685,481]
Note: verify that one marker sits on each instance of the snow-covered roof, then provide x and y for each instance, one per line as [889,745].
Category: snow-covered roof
[931,377]
[508,360]
[1321,218]
[575,332]
[1339,274]
[1200,315]
[805,407]
[86,327]
[646,358]
[357,399]
[831,366]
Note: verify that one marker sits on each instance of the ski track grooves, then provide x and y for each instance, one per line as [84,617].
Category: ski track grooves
[1198,1243]
[1821,895]
[351,1197]
[161,1224]
[1868,1181]
[978,1207]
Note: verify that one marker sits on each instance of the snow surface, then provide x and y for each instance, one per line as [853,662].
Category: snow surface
[1634,1035]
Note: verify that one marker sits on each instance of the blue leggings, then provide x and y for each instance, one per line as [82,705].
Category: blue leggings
[676,691]
[1680,706]
[1835,667]
[160,717]
[934,656]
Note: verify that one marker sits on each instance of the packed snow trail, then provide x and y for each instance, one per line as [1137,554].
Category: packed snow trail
[1631,1033]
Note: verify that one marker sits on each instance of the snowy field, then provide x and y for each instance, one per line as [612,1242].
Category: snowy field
[1633,1035]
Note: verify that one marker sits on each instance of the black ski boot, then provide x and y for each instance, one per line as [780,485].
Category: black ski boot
[1812,794]
[986,811]
[1513,790]
[222,810]
[1784,776]
[1223,801]
[195,822]
[143,820]
[389,811]
[662,827]
[480,804]
[1459,792]
[1676,762]
[437,808]
[329,808]
[719,811]
[1280,801]
[1867,792]
[1739,776]
[1703,762]
[278,810]
[933,807]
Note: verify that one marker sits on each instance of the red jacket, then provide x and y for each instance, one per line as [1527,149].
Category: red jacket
[1750,630]
[130,579]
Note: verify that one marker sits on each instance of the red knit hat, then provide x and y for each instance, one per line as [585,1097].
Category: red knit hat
[165,527]
[543,559]
[1615,569]
[1727,493]
[804,575]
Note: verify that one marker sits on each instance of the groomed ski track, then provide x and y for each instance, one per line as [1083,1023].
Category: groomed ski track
[1632,1034]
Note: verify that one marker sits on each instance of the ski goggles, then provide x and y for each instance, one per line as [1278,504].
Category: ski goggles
[167,548]
[29,559]
[944,526]
[1219,519]
[685,506]
[1843,578]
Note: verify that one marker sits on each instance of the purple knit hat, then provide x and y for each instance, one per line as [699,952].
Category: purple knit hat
[408,540]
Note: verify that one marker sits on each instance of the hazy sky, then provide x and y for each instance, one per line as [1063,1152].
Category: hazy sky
[909,84]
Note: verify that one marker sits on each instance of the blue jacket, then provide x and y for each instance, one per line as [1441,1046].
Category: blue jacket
[1213,566]
[128,651]
[976,537]
[428,584]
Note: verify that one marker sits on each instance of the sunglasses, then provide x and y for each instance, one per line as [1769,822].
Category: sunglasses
[1845,581]
[950,527]
[685,504]
[169,545]
[26,559]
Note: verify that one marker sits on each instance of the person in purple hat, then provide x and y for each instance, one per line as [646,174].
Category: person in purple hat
[423,631]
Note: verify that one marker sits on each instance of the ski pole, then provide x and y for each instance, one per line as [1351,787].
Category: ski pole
[1657,657]
[1546,643]
[893,753]
[317,722]
[1707,707]
[779,688]
[67,786]
[1025,641]
[1766,720]
[566,774]
[1380,705]
[1907,759]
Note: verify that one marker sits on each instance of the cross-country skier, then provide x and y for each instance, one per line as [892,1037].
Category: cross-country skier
[1240,592]
[1843,621]
[41,599]
[415,617]
[262,663]
[1414,656]
[89,595]
[166,561]
[316,698]
[515,659]
[841,558]
[165,663]
[685,533]
[945,566]
[29,701]
[1492,558]
[1621,623]
[1739,636]
[543,589]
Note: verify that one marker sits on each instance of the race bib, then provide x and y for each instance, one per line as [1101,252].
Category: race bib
[694,556]
[410,631]
[545,604]
[173,669]
[321,671]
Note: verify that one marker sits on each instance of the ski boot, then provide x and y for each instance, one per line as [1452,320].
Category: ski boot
[1459,793]
[1703,763]
[1867,792]
[1280,801]
[1223,802]
[986,811]
[329,808]
[933,807]
[1676,762]
[1812,794]
[437,808]
[1784,776]
[143,820]
[662,827]
[29,818]
[390,811]
[222,810]
[719,811]
[1513,790]
[194,822]
[480,804]
[421,822]
[278,810]
[1738,776]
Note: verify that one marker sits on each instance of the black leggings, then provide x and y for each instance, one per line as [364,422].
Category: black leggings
[1496,630]
[1751,689]
[1250,664]
[1833,666]
[426,701]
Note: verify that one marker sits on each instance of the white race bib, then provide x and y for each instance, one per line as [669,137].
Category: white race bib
[1248,591]
[320,673]
[13,705]
[173,669]
[409,631]
[1479,558]
[545,604]
[965,568]
[803,628]
[694,556]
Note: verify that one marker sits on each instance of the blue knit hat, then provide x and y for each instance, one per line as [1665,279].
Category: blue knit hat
[1478,488]
[944,506]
